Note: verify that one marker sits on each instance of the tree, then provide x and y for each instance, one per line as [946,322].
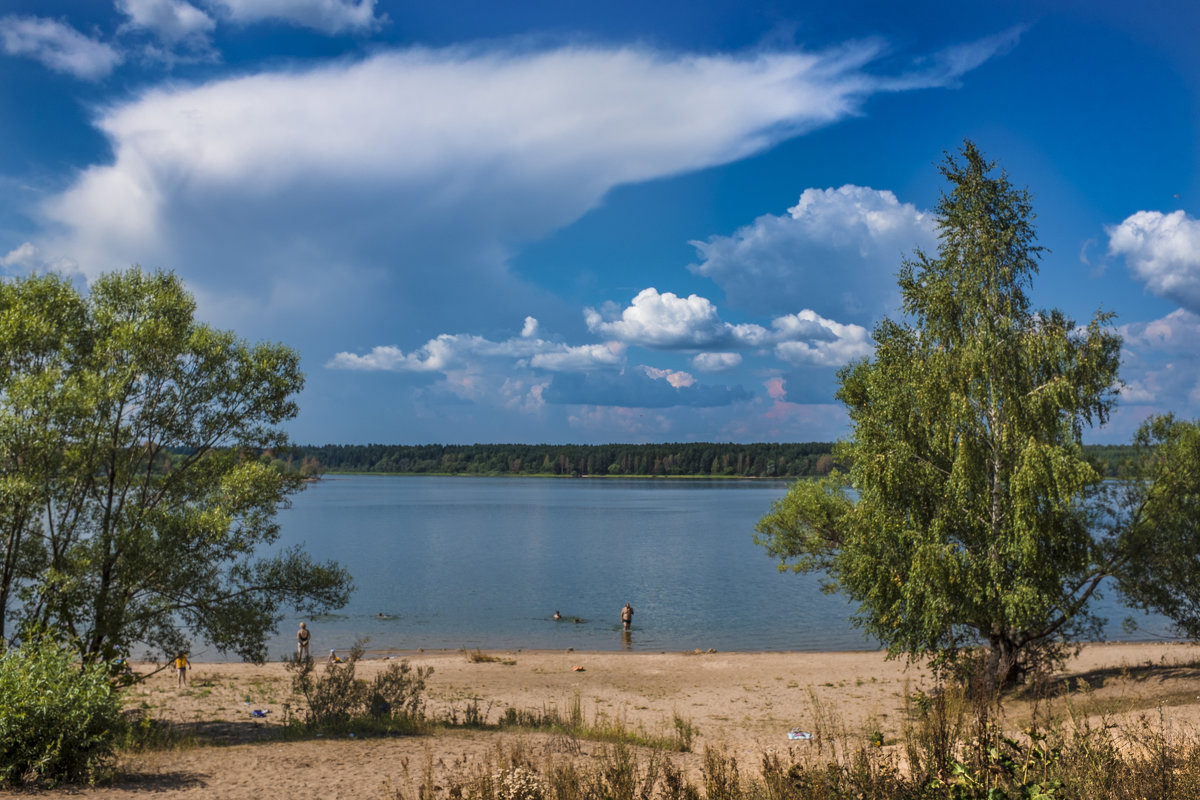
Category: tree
[135,507]
[963,517]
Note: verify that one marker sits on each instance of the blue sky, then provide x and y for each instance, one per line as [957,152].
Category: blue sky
[620,222]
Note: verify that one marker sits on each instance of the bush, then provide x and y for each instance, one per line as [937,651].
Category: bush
[58,718]
[337,700]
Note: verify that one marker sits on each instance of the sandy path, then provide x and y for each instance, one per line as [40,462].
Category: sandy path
[745,702]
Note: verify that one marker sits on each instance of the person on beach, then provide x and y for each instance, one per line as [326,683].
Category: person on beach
[181,668]
[626,616]
[302,637]
[334,658]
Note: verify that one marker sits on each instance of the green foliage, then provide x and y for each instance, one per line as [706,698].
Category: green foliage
[58,717]
[133,502]
[1151,523]
[962,517]
[337,700]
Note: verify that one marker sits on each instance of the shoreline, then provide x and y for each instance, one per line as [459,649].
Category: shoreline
[386,653]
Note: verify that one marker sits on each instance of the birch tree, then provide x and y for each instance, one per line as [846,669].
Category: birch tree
[963,519]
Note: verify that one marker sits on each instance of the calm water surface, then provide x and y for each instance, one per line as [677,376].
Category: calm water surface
[485,562]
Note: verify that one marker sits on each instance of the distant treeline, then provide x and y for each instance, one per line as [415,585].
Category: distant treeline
[706,459]
[699,459]
[1110,460]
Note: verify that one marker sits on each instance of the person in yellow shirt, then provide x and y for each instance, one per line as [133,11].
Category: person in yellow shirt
[181,668]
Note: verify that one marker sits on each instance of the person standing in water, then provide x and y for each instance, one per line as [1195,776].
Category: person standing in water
[626,616]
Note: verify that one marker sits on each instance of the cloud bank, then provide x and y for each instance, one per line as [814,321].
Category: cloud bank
[329,202]
[449,352]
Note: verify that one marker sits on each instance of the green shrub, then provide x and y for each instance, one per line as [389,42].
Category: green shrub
[338,700]
[398,691]
[58,718]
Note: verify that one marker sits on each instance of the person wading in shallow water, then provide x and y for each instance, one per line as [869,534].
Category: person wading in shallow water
[626,616]
[302,637]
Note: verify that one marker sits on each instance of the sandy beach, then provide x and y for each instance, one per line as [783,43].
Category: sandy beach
[743,702]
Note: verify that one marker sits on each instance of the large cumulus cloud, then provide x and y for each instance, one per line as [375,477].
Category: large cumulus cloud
[841,246]
[1163,250]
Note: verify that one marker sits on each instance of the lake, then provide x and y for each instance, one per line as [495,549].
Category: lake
[485,562]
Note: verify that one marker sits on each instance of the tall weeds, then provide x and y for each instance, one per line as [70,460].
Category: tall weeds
[338,701]
[953,748]
[679,735]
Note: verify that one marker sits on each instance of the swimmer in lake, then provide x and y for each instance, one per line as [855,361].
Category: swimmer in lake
[557,616]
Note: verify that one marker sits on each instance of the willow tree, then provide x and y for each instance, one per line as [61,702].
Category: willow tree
[133,503]
[962,519]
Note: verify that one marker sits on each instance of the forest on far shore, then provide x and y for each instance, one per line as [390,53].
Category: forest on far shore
[685,459]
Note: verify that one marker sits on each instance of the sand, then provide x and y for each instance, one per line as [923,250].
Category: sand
[743,702]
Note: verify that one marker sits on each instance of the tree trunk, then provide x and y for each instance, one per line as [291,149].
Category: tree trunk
[1003,664]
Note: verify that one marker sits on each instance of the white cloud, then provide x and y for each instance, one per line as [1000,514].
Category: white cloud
[57,46]
[27,258]
[665,321]
[1159,363]
[172,21]
[844,243]
[716,362]
[1136,392]
[668,322]
[451,352]
[1178,332]
[512,374]
[328,16]
[676,378]
[563,358]
[830,344]
[944,67]
[464,153]
[1164,251]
